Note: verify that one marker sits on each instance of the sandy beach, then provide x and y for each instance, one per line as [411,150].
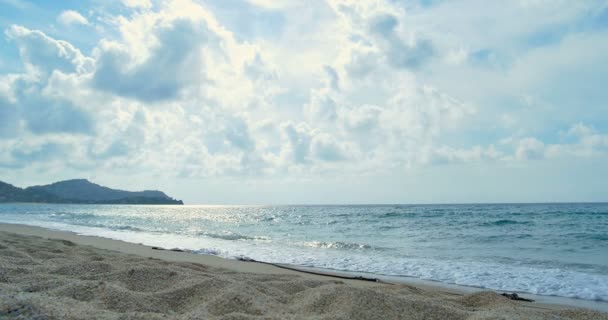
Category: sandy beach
[47,274]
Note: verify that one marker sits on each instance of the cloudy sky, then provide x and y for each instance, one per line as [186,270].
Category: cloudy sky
[315,101]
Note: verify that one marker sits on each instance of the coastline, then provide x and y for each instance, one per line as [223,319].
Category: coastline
[437,297]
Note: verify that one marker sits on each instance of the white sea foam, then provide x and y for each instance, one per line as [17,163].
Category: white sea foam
[337,245]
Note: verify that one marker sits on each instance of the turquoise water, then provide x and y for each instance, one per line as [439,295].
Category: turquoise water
[547,249]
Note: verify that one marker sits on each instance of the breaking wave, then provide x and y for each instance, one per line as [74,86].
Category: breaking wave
[338,245]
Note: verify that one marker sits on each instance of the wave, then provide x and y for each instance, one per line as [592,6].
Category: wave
[207,251]
[409,214]
[524,236]
[232,236]
[106,226]
[600,213]
[73,215]
[504,222]
[393,214]
[501,237]
[384,228]
[125,228]
[600,237]
[589,236]
[338,245]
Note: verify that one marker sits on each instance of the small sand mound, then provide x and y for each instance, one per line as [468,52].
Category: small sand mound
[239,299]
[14,254]
[485,299]
[67,243]
[46,255]
[188,297]
[42,284]
[12,307]
[84,269]
[119,299]
[3,274]
[345,302]
[289,288]
[96,258]
[146,278]
[193,266]
[81,290]
[10,272]
[580,314]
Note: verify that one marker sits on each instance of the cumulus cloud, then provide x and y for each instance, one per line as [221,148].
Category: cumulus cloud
[578,141]
[529,148]
[71,17]
[400,52]
[272,4]
[173,64]
[362,119]
[146,4]
[171,89]
[31,102]
[587,142]
[297,141]
[325,147]
[45,53]
[44,115]
[9,119]
[449,155]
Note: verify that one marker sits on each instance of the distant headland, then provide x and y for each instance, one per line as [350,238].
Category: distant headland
[81,191]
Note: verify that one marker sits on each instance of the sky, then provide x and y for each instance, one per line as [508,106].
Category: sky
[315,101]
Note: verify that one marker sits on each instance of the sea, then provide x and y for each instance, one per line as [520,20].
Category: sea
[543,249]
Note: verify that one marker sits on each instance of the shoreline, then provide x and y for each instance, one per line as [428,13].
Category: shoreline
[541,302]
[169,255]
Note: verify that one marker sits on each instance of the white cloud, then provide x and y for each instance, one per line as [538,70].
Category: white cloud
[529,148]
[19,4]
[178,50]
[475,155]
[145,4]
[587,143]
[46,54]
[272,4]
[32,103]
[580,141]
[71,17]
[297,142]
[367,88]
[326,148]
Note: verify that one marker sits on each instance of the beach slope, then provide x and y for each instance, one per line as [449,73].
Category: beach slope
[57,275]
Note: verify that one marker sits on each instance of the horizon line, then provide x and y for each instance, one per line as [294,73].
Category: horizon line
[398,204]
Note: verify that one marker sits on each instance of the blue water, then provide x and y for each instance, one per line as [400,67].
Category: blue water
[547,249]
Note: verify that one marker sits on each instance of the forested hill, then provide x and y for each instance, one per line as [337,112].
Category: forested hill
[81,191]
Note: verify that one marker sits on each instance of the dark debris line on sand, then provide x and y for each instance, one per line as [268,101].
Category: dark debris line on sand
[512,296]
[312,272]
[244,259]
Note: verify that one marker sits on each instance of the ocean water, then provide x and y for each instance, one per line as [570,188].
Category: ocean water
[545,249]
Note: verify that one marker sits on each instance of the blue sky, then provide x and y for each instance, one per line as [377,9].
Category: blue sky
[321,101]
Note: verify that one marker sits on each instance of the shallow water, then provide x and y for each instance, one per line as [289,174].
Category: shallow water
[547,249]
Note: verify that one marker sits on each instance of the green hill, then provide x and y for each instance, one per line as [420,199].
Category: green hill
[81,191]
